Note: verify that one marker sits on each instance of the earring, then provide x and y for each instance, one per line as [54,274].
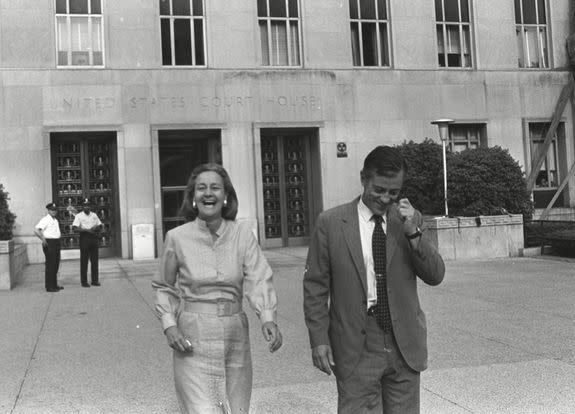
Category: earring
[225,202]
[194,206]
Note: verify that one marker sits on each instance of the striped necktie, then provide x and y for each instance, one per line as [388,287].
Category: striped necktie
[378,240]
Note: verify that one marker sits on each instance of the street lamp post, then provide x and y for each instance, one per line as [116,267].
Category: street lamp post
[443,125]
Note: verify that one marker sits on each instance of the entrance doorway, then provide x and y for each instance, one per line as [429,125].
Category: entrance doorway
[84,165]
[181,151]
[290,184]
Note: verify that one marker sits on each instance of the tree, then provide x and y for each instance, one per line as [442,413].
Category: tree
[7,218]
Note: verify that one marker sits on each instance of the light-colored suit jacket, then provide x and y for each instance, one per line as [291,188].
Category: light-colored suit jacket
[335,287]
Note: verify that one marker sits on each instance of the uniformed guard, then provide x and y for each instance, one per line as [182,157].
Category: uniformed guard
[89,226]
[48,230]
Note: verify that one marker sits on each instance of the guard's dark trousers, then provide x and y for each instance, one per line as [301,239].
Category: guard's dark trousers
[88,251]
[52,254]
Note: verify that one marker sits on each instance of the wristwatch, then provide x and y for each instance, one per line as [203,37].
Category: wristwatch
[415,235]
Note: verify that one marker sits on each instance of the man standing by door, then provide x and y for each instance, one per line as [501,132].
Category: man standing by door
[360,292]
[89,226]
[48,230]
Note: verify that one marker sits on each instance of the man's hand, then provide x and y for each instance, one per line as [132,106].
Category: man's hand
[177,340]
[323,358]
[406,211]
[273,335]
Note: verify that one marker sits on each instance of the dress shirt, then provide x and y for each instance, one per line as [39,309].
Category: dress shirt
[208,270]
[49,226]
[86,221]
[366,226]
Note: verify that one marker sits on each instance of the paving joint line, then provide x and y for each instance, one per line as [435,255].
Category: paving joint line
[511,346]
[125,275]
[447,399]
[32,356]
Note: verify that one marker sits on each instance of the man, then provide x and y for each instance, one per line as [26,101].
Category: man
[89,226]
[360,292]
[48,230]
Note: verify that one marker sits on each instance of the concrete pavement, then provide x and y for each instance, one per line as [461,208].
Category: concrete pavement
[501,340]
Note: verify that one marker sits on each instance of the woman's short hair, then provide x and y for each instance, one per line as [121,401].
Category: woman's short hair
[229,211]
[383,160]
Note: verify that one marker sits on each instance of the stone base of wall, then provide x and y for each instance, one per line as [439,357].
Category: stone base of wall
[13,259]
[481,237]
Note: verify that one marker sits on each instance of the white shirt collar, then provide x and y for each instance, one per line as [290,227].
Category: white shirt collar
[365,214]
[203,225]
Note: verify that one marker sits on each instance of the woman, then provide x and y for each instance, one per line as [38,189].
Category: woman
[208,264]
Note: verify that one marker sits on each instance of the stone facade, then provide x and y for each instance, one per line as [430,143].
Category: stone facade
[134,97]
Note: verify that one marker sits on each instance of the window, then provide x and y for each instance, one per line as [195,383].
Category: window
[279,32]
[453,33]
[466,136]
[79,33]
[182,25]
[531,30]
[548,176]
[551,172]
[369,32]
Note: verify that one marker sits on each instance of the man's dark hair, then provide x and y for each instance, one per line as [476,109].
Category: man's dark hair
[383,160]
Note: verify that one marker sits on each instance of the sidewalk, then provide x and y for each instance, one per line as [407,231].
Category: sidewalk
[501,340]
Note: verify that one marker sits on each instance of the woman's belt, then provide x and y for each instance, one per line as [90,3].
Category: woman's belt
[223,308]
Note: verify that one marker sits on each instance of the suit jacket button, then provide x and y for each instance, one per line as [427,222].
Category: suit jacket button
[363,331]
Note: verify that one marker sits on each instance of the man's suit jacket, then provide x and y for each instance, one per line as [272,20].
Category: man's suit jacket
[335,287]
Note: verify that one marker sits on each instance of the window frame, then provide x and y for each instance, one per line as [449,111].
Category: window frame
[192,19]
[559,141]
[90,17]
[378,22]
[287,20]
[480,128]
[520,33]
[446,39]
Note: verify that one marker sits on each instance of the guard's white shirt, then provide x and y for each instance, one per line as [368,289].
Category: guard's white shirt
[366,226]
[49,226]
[86,221]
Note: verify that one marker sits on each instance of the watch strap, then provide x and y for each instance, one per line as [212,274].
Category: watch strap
[415,235]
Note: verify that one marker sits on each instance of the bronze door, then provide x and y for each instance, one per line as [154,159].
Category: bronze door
[84,166]
[286,189]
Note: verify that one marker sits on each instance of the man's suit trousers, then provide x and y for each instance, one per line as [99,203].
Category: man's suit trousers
[382,381]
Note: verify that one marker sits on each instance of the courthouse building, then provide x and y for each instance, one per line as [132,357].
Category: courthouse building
[117,101]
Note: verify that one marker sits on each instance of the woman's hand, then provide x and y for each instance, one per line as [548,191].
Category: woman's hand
[273,335]
[177,340]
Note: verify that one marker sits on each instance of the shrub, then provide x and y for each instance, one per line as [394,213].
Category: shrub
[423,184]
[6,217]
[483,181]
[486,181]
